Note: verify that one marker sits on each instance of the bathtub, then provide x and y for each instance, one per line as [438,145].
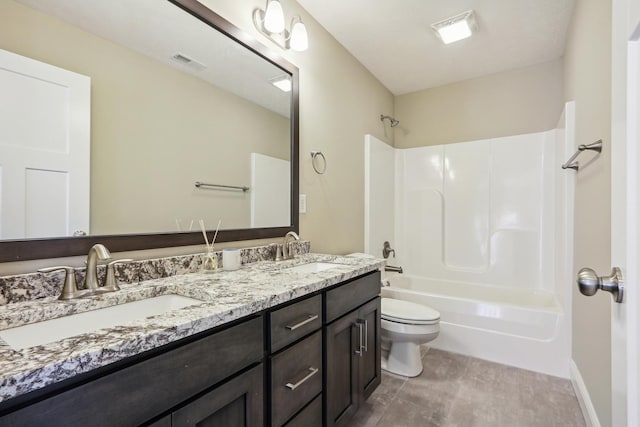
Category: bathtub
[517,327]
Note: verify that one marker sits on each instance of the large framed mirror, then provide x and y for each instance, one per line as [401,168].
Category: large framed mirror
[188,118]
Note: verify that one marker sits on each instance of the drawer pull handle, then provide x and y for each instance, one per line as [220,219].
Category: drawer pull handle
[312,372]
[309,319]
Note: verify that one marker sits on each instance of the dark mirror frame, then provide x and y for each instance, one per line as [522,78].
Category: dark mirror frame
[22,250]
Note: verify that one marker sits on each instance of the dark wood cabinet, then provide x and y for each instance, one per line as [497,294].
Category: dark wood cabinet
[352,344]
[295,361]
[236,403]
[295,321]
[149,385]
[310,416]
[307,363]
[296,378]
[342,342]
[369,376]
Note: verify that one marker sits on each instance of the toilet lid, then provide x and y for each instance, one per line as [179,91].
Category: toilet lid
[400,311]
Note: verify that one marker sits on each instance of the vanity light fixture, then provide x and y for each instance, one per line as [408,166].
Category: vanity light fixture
[282,82]
[270,22]
[456,28]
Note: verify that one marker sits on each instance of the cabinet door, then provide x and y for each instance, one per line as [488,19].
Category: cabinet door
[342,342]
[369,364]
[237,403]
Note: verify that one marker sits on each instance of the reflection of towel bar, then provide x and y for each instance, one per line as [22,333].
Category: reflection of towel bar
[229,187]
[572,164]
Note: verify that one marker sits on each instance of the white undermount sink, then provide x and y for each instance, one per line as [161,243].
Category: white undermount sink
[312,267]
[68,326]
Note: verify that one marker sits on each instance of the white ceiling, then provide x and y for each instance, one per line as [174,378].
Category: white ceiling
[393,39]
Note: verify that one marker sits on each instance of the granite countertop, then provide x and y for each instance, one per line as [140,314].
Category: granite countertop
[225,295]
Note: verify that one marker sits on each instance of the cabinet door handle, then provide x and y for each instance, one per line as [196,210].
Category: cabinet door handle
[366,335]
[360,346]
[309,319]
[312,372]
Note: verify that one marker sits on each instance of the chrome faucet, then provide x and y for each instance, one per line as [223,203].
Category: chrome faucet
[97,252]
[70,289]
[285,244]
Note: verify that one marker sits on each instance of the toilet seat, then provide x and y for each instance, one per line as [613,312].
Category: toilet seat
[409,331]
[408,313]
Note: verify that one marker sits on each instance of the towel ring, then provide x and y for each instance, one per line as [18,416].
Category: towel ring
[314,155]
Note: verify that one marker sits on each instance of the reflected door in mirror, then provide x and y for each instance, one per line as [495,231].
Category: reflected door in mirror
[44,149]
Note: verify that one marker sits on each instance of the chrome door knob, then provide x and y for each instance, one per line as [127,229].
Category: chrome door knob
[589,283]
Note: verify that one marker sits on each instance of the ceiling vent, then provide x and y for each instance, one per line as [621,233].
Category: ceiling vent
[189,62]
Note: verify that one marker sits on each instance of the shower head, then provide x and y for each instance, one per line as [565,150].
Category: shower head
[393,121]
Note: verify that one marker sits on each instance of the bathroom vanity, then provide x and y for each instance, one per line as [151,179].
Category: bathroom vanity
[270,344]
[293,342]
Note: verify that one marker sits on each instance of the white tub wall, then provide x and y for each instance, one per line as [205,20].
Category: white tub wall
[472,211]
[418,190]
[549,220]
[379,183]
[565,200]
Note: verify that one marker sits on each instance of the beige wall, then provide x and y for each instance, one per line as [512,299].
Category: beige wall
[340,102]
[588,82]
[154,130]
[502,104]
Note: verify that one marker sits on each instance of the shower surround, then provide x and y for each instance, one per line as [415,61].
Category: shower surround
[482,230]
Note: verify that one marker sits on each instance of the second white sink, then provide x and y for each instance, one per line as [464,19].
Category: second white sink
[312,267]
[68,326]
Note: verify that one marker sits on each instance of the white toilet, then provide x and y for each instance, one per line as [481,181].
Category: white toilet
[405,326]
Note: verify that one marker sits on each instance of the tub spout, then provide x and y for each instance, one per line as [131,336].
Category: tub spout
[393,269]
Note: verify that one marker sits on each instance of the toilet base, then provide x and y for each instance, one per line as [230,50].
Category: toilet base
[404,359]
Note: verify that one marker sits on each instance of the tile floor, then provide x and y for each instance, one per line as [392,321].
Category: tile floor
[455,390]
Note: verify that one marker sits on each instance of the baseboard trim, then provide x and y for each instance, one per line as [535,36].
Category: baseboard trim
[586,405]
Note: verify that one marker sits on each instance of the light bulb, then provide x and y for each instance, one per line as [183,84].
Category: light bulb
[299,39]
[274,17]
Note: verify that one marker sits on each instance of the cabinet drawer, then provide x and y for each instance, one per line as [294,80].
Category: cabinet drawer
[345,298]
[296,378]
[295,321]
[238,402]
[311,416]
[140,392]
